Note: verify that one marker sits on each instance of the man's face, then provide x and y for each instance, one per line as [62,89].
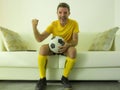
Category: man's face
[63,14]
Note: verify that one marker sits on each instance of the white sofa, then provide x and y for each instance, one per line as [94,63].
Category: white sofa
[90,65]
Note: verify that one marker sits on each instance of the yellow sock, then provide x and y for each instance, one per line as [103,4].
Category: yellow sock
[42,61]
[68,66]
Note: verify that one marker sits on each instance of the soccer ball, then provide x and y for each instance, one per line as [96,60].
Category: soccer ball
[55,42]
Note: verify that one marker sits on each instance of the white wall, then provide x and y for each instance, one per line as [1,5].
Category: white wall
[117,13]
[92,15]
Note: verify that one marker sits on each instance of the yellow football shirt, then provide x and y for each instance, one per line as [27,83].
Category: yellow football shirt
[66,31]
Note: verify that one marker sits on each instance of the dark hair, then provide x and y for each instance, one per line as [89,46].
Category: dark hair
[64,5]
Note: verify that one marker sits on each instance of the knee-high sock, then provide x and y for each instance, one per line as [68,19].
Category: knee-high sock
[68,66]
[42,61]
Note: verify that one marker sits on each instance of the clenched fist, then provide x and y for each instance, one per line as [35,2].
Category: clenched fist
[35,22]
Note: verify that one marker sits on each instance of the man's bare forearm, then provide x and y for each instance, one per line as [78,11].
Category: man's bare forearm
[36,34]
[73,43]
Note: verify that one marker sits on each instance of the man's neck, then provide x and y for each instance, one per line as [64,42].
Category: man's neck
[63,24]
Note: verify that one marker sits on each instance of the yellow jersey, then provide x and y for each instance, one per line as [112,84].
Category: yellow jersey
[66,31]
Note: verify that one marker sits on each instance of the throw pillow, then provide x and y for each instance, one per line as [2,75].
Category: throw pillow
[12,40]
[104,40]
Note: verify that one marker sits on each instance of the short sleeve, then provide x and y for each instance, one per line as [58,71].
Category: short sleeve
[76,28]
[49,28]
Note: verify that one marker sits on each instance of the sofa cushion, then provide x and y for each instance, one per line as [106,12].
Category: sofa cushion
[25,59]
[103,41]
[12,40]
[94,59]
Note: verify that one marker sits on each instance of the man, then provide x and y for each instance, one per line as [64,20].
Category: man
[67,29]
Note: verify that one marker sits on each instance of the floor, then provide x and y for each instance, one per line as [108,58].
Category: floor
[79,85]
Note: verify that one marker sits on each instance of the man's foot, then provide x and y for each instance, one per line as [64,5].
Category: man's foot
[66,83]
[41,84]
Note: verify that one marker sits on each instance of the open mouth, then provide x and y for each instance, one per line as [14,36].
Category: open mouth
[63,19]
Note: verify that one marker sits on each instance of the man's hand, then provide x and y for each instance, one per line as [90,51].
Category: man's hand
[63,48]
[38,36]
[35,22]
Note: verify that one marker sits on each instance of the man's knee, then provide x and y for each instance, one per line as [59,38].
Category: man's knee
[44,50]
[72,52]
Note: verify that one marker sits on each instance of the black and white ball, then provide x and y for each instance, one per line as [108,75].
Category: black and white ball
[55,43]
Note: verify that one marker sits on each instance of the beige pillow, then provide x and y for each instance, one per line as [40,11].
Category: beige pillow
[104,40]
[12,40]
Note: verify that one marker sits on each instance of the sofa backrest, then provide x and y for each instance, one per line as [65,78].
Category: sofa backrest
[117,42]
[85,40]
[1,44]
[31,42]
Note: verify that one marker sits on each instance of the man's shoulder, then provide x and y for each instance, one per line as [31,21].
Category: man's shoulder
[53,23]
[72,20]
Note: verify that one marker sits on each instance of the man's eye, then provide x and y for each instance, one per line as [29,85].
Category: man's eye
[60,12]
[65,12]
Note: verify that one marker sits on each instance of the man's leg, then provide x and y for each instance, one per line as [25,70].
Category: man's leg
[68,66]
[70,61]
[42,62]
